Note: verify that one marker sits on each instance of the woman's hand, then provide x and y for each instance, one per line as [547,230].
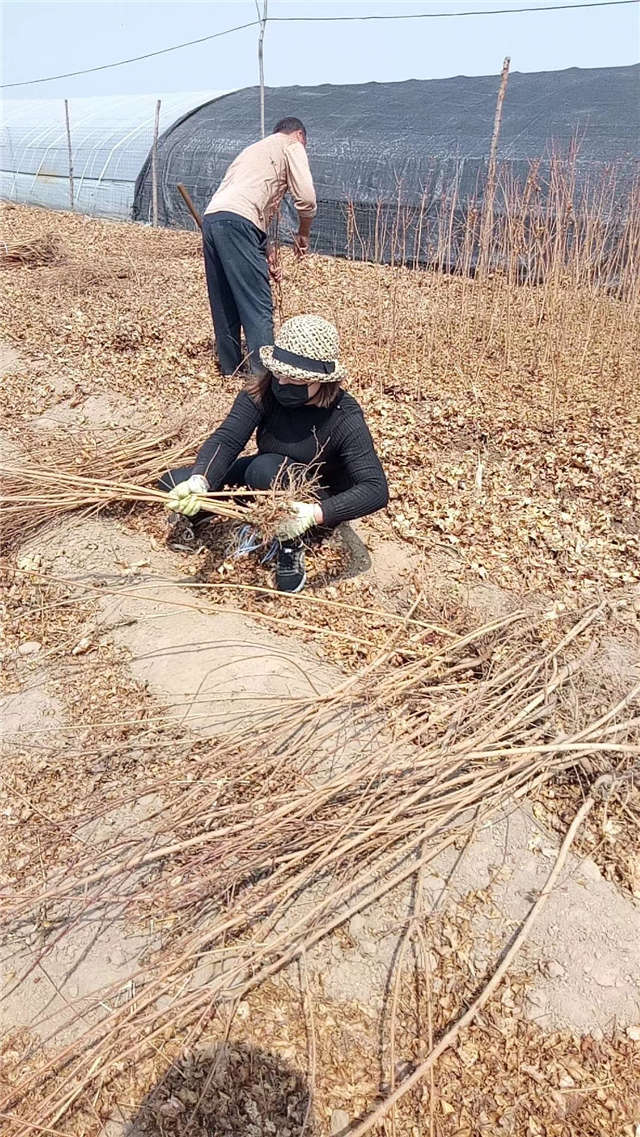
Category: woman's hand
[183,498]
[304,515]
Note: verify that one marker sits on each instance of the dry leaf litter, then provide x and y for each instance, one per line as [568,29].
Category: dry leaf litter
[511,437]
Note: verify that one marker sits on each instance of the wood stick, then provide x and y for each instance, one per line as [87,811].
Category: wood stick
[70,151]
[449,1038]
[263,23]
[186,197]
[32,1125]
[490,190]
[154,168]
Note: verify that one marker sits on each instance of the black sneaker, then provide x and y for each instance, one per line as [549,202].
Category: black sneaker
[290,571]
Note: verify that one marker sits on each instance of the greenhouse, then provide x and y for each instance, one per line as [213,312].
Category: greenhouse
[394,163]
[110,140]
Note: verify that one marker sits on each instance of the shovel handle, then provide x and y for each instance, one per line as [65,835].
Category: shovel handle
[186,197]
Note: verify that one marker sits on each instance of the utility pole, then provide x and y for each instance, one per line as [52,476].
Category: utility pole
[490,191]
[154,169]
[66,115]
[263,23]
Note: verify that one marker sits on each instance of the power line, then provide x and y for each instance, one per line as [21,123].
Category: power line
[134,59]
[450,15]
[324,19]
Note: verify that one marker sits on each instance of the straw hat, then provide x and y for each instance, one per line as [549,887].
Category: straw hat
[306,348]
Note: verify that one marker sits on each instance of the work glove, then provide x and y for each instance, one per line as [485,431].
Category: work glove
[303,517]
[183,498]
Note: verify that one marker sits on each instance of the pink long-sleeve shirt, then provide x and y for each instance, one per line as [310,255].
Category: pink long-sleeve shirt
[257,180]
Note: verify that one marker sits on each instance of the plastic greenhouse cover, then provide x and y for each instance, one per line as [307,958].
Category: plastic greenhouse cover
[111,137]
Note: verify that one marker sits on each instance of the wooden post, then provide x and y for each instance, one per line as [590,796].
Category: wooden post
[486,230]
[154,168]
[263,24]
[70,151]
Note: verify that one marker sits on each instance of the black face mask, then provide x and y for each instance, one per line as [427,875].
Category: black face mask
[290,394]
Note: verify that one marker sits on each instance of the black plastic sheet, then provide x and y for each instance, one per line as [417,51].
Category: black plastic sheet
[394,163]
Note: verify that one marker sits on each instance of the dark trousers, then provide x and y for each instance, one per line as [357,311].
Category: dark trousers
[235,261]
[255,471]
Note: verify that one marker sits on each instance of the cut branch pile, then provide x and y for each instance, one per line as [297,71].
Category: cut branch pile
[423,1068]
[42,489]
[125,470]
[45,494]
[32,250]
[305,816]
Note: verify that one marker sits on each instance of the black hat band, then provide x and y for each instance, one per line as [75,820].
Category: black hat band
[320,366]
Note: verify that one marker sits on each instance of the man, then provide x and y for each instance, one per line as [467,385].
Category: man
[236,257]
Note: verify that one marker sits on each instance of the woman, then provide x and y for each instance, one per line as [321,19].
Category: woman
[301,415]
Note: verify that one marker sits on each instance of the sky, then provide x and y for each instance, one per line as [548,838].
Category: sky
[41,39]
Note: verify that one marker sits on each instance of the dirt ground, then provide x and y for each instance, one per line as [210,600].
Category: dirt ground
[115,642]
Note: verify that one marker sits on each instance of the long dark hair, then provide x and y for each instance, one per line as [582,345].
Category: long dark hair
[258,385]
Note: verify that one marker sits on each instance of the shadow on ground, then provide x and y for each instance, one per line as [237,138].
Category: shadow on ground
[231,1090]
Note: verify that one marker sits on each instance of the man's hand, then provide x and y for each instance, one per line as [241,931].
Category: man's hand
[183,498]
[301,244]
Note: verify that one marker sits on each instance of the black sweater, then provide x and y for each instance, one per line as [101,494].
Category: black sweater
[334,439]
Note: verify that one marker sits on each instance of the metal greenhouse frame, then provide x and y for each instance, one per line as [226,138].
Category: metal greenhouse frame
[110,139]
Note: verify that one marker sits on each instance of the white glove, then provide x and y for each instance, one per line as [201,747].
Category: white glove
[183,498]
[303,517]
